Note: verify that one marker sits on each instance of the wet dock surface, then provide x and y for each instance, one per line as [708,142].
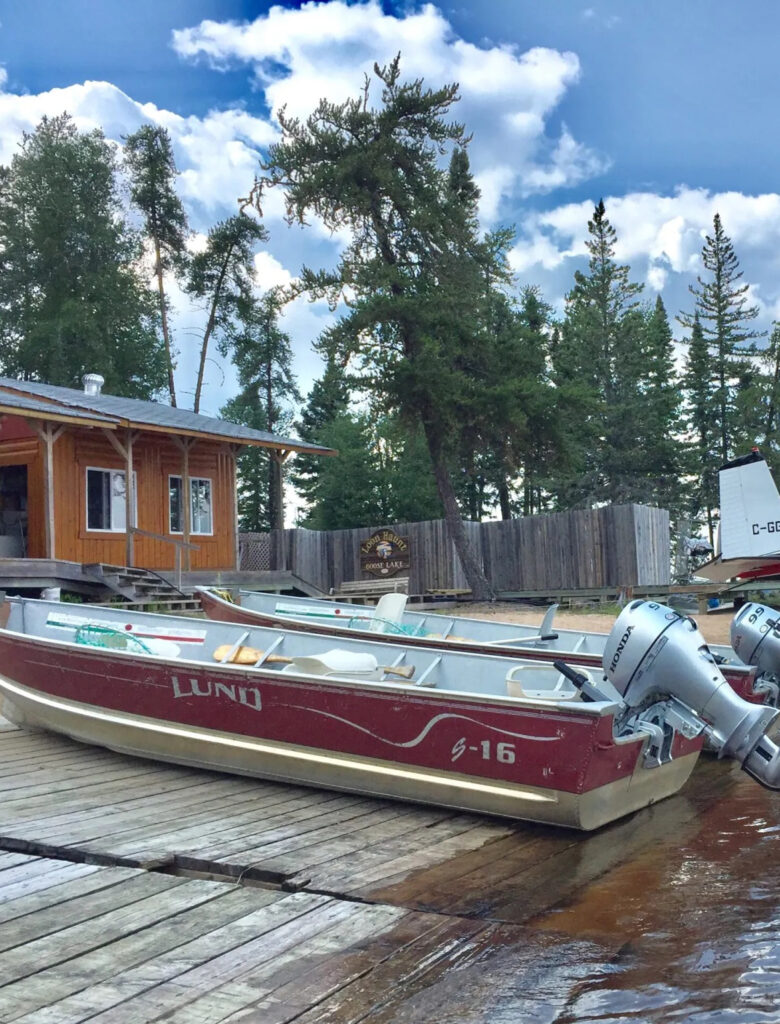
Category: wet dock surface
[135,892]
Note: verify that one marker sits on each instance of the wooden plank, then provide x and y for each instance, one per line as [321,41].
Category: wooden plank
[33,883]
[171,966]
[140,833]
[245,830]
[396,978]
[536,867]
[343,865]
[31,930]
[295,834]
[12,860]
[255,988]
[329,970]
[443,852]
[64,882]
[307,843]
[158,895]
[79,982]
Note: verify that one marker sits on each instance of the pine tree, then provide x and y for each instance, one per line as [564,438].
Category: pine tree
[660,415]
[72,296]
[382,475]
[328,398]
[533,441]
[221,275]
[262,355]
[770,437]
[597,370]
[152,170]
[407,485]
[346,493]
[701,420]
[723,312]
[411,261]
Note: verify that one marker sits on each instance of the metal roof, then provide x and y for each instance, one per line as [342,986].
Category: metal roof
[25,404]
[138,413]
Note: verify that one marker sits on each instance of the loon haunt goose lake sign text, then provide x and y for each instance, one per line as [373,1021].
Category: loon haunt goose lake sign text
[384,553]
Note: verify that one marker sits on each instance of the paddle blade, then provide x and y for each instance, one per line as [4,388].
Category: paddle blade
[404,671]
[339,661]
[243,656]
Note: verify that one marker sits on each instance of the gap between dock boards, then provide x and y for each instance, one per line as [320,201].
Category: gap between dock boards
[179,866]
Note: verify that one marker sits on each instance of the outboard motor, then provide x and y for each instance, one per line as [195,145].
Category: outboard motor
[660,663]
[755,637]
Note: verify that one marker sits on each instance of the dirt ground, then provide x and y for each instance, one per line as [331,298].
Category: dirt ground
[713,625]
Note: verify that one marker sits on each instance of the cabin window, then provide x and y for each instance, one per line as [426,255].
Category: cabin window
[200,505]
[106,503]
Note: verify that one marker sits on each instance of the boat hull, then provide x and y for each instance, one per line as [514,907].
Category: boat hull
[385,740]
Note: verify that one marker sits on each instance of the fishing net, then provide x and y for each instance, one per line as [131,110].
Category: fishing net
[113,639]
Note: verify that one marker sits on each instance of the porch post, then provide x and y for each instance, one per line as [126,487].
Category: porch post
[184,444]
[234,449]
[126,452]
[278,458]
[48,434]
[187,499]
[129,499]
[48,482]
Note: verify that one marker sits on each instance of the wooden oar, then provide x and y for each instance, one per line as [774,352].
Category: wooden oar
[319,664]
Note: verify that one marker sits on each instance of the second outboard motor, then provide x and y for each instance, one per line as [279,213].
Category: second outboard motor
[652,653]
[755,637]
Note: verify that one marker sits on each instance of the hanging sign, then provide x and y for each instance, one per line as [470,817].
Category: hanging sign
[384,553]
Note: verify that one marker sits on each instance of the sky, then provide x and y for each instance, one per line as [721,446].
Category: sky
[666,109]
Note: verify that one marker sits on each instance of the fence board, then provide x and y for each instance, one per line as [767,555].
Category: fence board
[613,546]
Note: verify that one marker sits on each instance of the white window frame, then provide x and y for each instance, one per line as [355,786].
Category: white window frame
[112,528]
[193,479]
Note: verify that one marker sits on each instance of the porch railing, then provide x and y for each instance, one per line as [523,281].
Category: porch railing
[178,544]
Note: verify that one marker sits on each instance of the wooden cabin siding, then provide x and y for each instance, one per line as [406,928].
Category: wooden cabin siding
[155,457]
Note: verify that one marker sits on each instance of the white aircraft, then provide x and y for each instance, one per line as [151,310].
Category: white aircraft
[748,542]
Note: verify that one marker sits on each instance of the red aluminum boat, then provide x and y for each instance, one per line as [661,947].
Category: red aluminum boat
[490,734]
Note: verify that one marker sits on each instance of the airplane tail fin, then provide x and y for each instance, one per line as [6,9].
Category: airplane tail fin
[749,508]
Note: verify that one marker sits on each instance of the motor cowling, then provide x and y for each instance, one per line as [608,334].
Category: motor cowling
[755,637]
[653,652]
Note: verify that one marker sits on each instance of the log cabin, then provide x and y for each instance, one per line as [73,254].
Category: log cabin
[95,478]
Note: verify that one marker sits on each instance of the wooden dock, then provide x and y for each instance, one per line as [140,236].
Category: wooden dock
[133,892]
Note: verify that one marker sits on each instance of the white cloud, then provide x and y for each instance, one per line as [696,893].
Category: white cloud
[218,154]
[661,238]
[670,229]
[269,272]
[508,97]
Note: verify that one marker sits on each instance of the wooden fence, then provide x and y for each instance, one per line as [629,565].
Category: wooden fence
[615,546]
